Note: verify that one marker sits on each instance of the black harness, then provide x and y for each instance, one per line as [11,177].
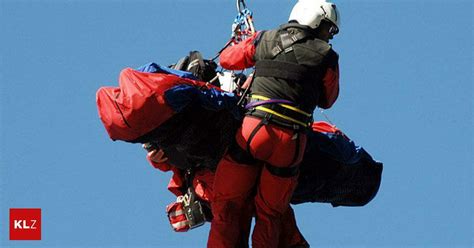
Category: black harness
[287,69]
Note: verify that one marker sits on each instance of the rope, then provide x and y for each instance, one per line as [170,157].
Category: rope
[326,117]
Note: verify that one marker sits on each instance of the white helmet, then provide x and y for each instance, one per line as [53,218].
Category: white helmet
[311,12]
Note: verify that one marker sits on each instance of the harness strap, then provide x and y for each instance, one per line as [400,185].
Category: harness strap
[287,118]
[244,156]
[282,172]
[243,98]
[280,109]
[254,104]
[263,122]
[287,42]
[297,149]
[240,155]
[188,178]
[264,98]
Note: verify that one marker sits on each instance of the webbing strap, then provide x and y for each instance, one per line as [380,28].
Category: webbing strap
[263,122]
[287,42]
[244,156]
[254,104]
[285,172]
[269,111]
[259,97]
[297,148]
[240,155]
[284,111]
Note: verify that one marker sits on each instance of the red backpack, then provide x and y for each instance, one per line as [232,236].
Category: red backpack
[138,105]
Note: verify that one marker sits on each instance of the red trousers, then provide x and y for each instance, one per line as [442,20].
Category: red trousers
[236,186]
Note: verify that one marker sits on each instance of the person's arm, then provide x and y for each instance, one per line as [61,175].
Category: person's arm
[239,56]
[158,159]
[176,183]
[330,89]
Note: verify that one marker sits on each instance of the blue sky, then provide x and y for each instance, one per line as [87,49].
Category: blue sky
[406,96]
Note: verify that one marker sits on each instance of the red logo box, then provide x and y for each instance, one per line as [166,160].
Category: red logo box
[25,223]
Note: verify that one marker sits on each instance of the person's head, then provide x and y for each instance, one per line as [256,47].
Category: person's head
[319,15]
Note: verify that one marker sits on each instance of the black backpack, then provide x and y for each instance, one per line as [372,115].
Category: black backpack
[203,69]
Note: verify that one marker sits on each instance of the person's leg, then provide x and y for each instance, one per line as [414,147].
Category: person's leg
[282,149]
[291,236]
[272,201]
[231,204]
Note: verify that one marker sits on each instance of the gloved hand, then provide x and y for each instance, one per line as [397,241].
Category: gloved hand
[157,156]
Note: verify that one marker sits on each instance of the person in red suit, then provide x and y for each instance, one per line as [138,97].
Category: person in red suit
[203,183]
[296,70]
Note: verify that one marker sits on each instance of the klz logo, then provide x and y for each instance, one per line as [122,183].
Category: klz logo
[25,223]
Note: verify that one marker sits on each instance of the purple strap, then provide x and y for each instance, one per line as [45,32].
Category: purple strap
[272,101]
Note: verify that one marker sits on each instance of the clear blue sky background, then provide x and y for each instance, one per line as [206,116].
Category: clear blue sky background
[407,97]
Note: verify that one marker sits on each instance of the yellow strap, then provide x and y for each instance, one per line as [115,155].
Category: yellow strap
[282,116]
[258,97]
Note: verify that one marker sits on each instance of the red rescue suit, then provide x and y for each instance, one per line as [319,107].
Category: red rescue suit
[203,183]
[278,148]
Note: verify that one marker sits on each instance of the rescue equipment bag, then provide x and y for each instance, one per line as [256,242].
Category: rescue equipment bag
[176,216]
[137,106]
[145,100]
[188,212]
[197,211]
[335,170]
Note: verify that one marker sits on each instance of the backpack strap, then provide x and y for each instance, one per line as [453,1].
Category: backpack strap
[287,69]
[286,42]
[195,60]
[181,64]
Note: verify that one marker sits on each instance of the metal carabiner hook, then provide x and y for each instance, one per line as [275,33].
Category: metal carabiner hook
[240,4]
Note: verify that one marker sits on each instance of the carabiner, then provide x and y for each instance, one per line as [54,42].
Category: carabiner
[240,4]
